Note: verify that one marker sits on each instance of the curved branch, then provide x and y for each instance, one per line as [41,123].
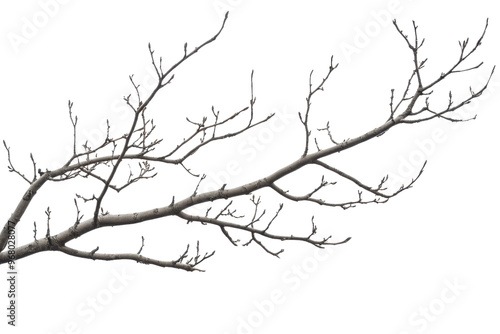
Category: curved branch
[253,231]
[375,191]
[130,256]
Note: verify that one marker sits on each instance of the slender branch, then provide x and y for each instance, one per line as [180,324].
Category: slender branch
[305,119]
[262,232]
[127,256]
[142,246]
[11,167]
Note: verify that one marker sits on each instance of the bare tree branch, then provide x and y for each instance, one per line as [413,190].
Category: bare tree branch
[11,167]
[142,246]
[101,163]
[305,119]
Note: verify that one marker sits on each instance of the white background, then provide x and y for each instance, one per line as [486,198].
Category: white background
[403,255]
